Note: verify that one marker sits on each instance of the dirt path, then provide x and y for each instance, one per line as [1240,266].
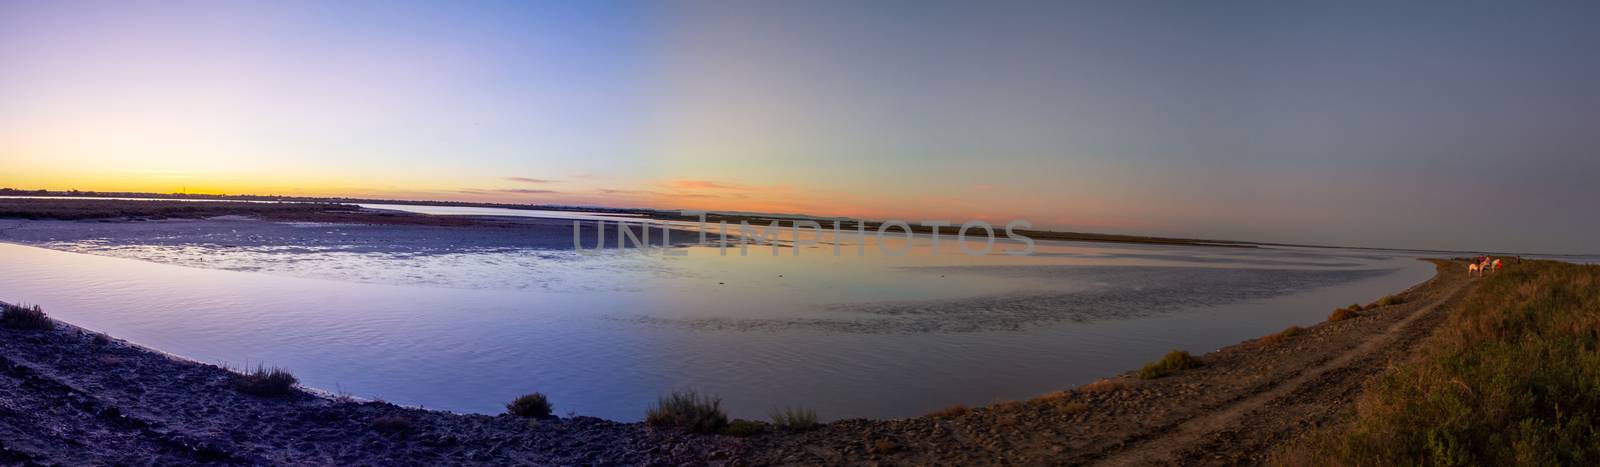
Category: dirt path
[1238,432]
[1243,401]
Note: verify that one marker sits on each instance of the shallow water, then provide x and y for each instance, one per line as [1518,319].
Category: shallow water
[873,336]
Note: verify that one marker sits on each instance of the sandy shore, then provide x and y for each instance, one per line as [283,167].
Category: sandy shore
[71,396]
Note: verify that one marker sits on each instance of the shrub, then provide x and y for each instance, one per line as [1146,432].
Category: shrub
[533,405]
[951,411]
[23,317]
[391,424]
[1278,338]
[1172,362]
[1104,385]
[265,382]
[794,419]
[1342,314]
[742,428]
[1072,408]
[1391,300]
[689,410]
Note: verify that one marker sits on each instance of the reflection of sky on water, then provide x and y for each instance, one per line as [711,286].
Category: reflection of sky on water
[468,328]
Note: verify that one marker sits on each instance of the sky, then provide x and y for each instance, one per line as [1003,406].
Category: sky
[1451,125]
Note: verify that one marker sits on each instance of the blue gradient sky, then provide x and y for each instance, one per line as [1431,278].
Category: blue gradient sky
[1466,125]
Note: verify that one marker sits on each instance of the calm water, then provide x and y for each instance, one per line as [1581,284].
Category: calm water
[605,335]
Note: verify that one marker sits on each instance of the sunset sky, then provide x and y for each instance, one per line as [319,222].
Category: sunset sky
[1463,125]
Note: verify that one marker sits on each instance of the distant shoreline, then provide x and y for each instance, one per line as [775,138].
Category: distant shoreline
[654,214]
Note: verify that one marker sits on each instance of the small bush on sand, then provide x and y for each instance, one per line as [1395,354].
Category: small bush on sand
[1278,338]
[1104,385]
[742,428]
[1172,362]
[533,405]
[794,419]
[391,424]
[23,317]
[1391,300]
[689,410]
[1342,314]
[265,382]
[951,411]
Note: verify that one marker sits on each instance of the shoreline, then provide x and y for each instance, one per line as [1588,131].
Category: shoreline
[137,411]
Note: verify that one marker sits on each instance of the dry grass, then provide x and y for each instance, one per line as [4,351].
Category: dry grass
[534,405]
[688,410]
[1343,314]
[1512,378]
[951,411]
[265,382]
[1104,385]
[23,317]
[1171,363]
[794,419]
[1279,337]
[741,428]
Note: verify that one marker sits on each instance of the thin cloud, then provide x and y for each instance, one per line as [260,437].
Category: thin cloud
[530,180]
[705,185]
[520,191]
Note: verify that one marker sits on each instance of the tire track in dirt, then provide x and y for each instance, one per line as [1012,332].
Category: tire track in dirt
[1243,431]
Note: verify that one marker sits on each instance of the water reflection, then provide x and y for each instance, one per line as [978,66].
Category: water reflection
[468,329]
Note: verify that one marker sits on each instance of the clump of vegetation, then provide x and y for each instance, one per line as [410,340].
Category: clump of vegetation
[265,382]
[533,405]
[1172,362]
[741,428]
[1104,385]
[686,409]
[24,317]
[951,411]
[1391,300]
[391,424]
[1512,378]
[1344,314]
[1278,338]
[794,419]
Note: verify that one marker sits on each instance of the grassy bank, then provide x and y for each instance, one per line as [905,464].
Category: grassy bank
[1513,378]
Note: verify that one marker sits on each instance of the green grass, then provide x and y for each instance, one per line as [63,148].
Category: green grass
[794,419]
[265,382]
[534,405]
[24,317]
[1512,378]
[1172,362]
[688,410]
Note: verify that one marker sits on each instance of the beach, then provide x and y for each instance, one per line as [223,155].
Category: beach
[102,400]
